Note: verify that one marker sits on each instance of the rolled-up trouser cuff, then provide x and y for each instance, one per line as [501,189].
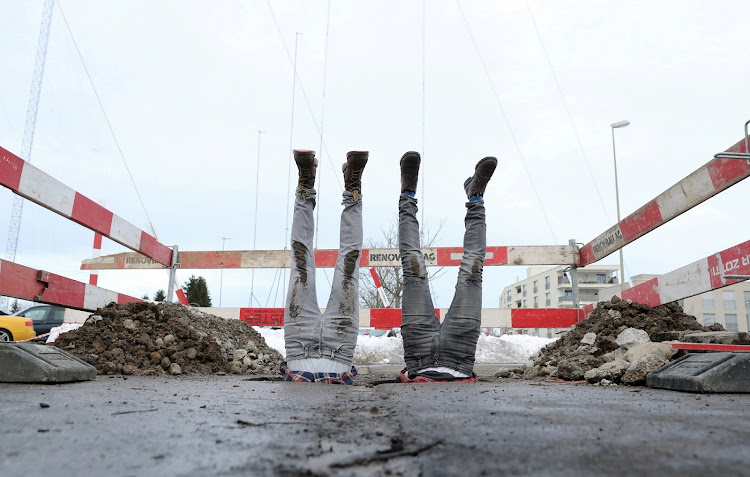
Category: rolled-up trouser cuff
[342,355]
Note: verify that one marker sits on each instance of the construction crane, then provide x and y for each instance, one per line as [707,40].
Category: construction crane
[28,133]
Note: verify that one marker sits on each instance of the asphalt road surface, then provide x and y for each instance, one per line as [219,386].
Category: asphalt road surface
[228,425]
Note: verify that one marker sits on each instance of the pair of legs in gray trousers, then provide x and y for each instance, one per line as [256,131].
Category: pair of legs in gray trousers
[308,332]
[427,342]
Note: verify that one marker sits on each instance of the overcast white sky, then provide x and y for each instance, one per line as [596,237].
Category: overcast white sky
[187,85]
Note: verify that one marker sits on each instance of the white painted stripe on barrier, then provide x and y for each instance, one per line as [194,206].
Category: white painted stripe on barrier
[96,297]
[41,187]
[460,256]
[125,232]
[686,281]
[686,194]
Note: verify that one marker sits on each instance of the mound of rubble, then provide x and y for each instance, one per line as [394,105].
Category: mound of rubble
[620,342]
[167,338]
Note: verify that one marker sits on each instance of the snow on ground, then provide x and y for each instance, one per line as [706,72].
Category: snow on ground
[384,350]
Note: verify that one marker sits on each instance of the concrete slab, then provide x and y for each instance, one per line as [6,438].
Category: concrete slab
[705,373]
[227,426]
[718,337]
[35,363]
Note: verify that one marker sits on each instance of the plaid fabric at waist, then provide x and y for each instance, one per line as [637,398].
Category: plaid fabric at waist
[424,379]
[324,378]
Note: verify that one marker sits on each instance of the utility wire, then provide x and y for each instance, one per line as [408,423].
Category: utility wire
[106,118]
[302,89]
[505,117]
[567,110]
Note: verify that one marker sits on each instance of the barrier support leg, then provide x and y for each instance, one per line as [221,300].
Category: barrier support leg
[574,279]
[172,274]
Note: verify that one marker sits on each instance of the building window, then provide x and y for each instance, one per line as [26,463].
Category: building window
[536,288]
[728,298]
[518,304]
[508,296]
[601,278]
[524,290]
[546,283]
[707,301]
[536,332]
[568,293]
[731,321]
[548,299]
[536,302]
[747,300]
[709,319]
[524,303]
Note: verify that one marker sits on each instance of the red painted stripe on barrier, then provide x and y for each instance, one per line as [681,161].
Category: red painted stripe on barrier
[641,221]
[375,278]
[387,318]
[587,254]
[94,279]
[11,167]
[735,261]
[499,255]
[126,299]
[543,318]
[151,247]
[710,347]
[262,316]
[89,213]
[62,291]
[646,293]
[229,259]
[725,172]
[364,258]
[326,258]
[444,256]
[97,241]
[19,282]
[181,296]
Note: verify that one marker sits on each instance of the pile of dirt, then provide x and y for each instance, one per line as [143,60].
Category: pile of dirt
[154,339]
[615,339]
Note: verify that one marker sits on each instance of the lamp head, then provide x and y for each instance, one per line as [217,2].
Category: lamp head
[620,124]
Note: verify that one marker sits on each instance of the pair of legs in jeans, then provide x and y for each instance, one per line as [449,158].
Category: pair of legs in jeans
[320,346]
[445,351]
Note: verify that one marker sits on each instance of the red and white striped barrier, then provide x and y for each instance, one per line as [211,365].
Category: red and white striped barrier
[385,318]
[710,179]
[381,257]
[30,284]
[379,287]
[698,277]
[94,275]
[31,183]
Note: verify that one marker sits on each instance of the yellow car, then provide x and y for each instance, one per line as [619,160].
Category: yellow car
[16,328]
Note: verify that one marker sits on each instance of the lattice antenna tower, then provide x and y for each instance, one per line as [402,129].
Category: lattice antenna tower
[28,133]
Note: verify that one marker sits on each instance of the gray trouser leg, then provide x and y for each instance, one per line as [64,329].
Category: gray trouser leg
[460,329]
[302,318]
[341,317]
[419,324]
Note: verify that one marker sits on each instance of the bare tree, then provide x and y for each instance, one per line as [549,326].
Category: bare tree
[391,277]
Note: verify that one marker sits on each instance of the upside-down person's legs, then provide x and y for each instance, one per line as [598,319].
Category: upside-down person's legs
[302,318]
[341,317]
[419,324]
[460,330]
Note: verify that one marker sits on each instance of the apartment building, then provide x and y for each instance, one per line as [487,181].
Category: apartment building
[550,287]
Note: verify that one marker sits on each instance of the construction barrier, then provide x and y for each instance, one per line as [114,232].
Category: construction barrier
[713,177]
[35,185]
[386,318]
[30,284]
[375,257]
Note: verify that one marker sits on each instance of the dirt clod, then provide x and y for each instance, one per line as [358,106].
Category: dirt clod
[167,338]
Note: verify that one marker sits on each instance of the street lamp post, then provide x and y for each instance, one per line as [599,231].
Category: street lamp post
[618,124]
[221,279]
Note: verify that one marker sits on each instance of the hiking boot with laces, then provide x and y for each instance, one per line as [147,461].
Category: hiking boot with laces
[476,184]
[410,171]
[306,166]
[353,167]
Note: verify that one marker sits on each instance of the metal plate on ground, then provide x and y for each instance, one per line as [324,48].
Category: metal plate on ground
[34,363]
[705,373]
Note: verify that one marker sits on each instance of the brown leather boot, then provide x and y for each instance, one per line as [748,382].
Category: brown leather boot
[306,166]
[410,162]
[353,167]
[476,184]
